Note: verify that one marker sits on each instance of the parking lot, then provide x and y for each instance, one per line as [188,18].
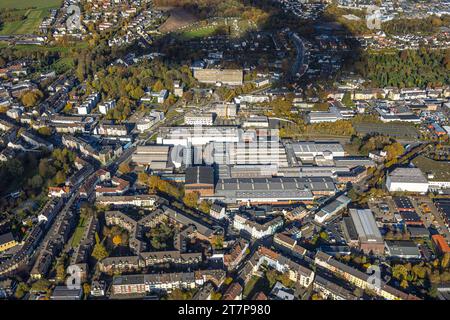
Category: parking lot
[385,209]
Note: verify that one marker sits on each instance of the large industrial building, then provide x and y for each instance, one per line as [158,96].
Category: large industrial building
[156,157]
[232,77]
[200,179]
[243,153]
[186,136]
[272,190]
[369,236]
[308,151]
[407,179]
[332,115]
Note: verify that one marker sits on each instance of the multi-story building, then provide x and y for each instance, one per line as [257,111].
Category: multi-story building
[134,200]
[144,283]
[360,279]
[104,107]
[296,272]
[199,119]
[256,229]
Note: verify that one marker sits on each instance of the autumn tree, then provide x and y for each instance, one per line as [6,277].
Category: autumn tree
[124,167]
[190,199]
[117,240]
[99,252]
[31,98]
[158,86]
[86,289]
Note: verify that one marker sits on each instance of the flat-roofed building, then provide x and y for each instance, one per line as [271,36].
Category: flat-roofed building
[332,115]
[249,153]
[232,77]
[402,250]
[273,190]
[224,110]
[369,236]
[350,233]
[142,200]
[309,150]
[256,122]
[64,293]
[186,136]
[200,179]
[407,179]
[156,157]
[199,119]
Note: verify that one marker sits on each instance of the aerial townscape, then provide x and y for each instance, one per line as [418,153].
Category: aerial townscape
[224,150]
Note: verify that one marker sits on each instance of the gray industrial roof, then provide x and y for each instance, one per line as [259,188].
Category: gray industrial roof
[365,225]
[402,248]
[408,175]
[315,147]
[276,184]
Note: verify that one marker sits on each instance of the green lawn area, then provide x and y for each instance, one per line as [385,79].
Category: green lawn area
[440,169]
[201,32]
[34,13]
[78,234]
[22,4]
[63,65]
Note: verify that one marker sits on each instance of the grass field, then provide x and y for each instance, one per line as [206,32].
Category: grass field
[79,231]
[440,169]
[34,12]
[23,4]
[201,32]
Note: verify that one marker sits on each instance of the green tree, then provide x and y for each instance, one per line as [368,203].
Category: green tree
[347,100]
[41,285]
[60,177]
[21,290]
